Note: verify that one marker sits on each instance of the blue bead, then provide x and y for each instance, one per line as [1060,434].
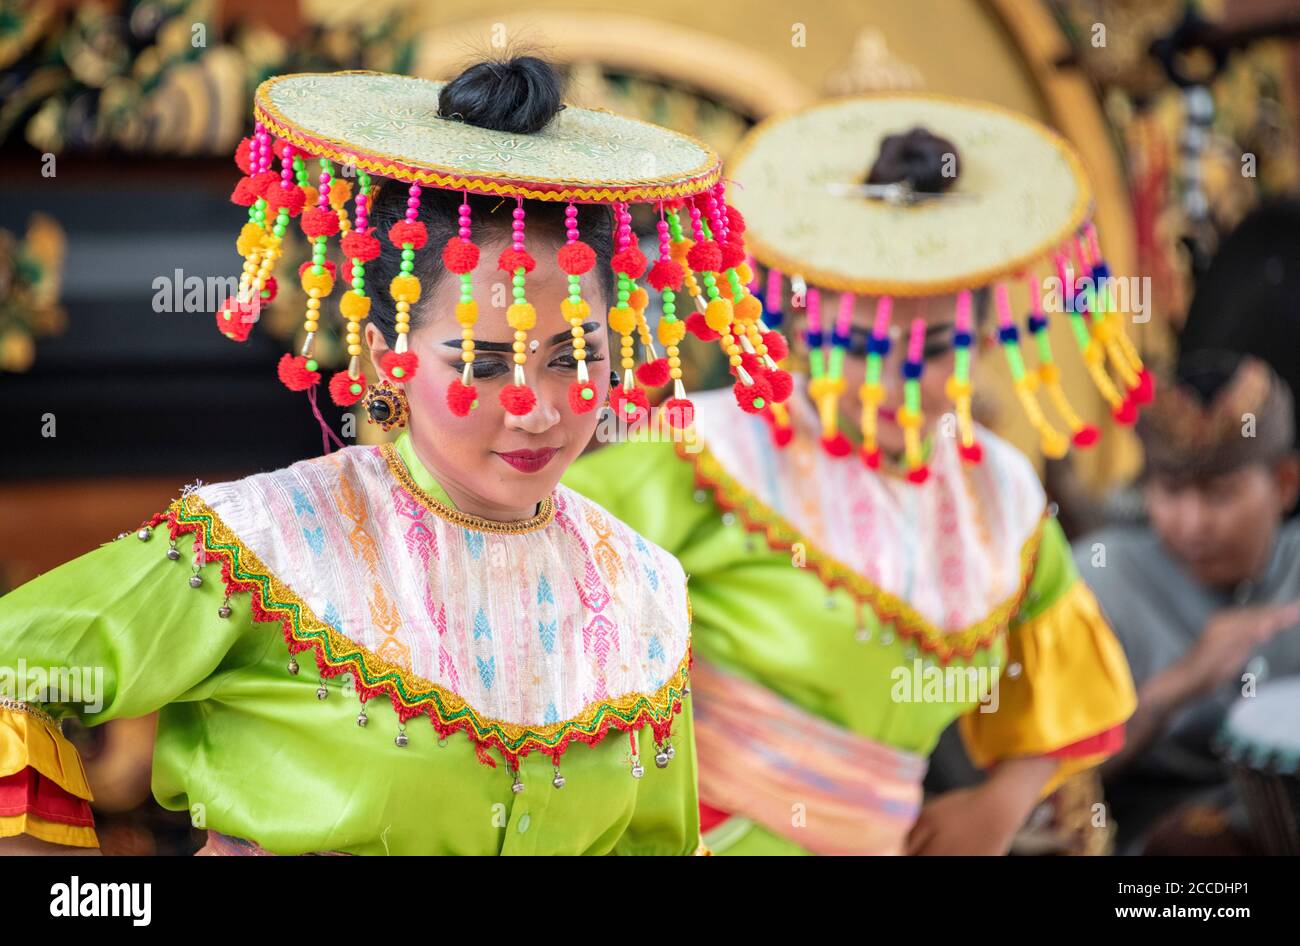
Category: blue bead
[1009,333]
[961,339]
[1037,323]
[814,339]
[912,369]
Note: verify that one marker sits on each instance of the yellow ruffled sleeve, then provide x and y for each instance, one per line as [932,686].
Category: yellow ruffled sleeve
[43,788]
[1065,689]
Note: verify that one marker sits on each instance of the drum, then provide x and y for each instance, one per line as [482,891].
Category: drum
[1260,741]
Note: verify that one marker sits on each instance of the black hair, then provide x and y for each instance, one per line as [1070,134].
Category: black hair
[917,157]
[519,95]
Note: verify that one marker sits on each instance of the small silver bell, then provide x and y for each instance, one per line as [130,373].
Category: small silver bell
[322,691]
[638,769]
[196,580]
[701,495]
[516,786]
[401,739]
[686,689]
[224,611]
[145,534]
[661,759]
[672,753]
[173,554]
[558,781]
[362,718]
[293,666]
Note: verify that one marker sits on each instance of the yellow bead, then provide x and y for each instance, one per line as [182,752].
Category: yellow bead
[518,346]
[353,338]
[402,328]
[579,344]
[467,356]
[313,303]
[520,359]
[734,360]
[354,349]
[310,325]
[467,344]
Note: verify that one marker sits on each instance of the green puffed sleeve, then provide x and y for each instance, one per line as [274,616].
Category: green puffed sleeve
[117,632]
[125,619]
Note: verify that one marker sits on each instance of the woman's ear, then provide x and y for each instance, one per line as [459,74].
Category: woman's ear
[377,345]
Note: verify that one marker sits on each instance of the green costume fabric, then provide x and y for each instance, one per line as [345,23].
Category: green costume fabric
[252,752]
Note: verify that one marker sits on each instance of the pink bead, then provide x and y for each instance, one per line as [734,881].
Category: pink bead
[464,233]
[572,235]
[519,213]
[414,190]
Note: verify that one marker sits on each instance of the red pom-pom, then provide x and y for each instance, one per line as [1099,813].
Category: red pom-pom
[629,261]
[972,454]
[1126,413]
[1145,390]
[243,194]
[346,272]
[653,373]
[461,397]
[777,348]
[629,404]
[518,399]
[261,183]
[749,361]
[270,289]
[696,325]
[918,475]
[404,232]
[752,398]
[837,446]
[341,389]
[290,198]
[320,222]
[735,222]
[240,323]
[294,373]
[870,457]
[328,264]
[399,368]
[362,246]
[733,254]
[666,274]
[781,436]
[512,259]
[782,384]
[679,412]
[460,256]
[577,403]
[243,157]
[576,258]
[705,257]
[1086,436]
[277,148]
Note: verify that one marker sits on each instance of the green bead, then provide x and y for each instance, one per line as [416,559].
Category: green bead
[588,394]
[758,402]
[354,388]
[669,310]
[408,253]
[359,268]
[358,283]
[466,297]
[473,404]
[311,364]
[669,296]
[519,280]
[399,372]
[629,407]
[575,298]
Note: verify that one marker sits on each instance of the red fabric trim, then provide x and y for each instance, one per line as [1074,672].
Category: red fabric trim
[1106,742]
[711,817]
[30,792]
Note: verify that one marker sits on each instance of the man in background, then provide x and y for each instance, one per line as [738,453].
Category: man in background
[1205,598]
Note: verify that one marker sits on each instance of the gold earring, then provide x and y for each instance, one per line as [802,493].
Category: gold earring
[386,405]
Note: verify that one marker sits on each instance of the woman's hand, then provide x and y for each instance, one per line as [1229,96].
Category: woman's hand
[983,819]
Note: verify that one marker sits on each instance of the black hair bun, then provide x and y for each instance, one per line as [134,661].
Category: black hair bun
[519,95]
[918,157]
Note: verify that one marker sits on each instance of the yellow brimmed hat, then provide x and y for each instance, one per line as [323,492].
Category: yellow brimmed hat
[909,194]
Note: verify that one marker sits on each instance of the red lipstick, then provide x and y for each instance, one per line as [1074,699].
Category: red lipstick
[529,461]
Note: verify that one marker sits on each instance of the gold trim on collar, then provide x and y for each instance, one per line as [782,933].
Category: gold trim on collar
[463,519]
